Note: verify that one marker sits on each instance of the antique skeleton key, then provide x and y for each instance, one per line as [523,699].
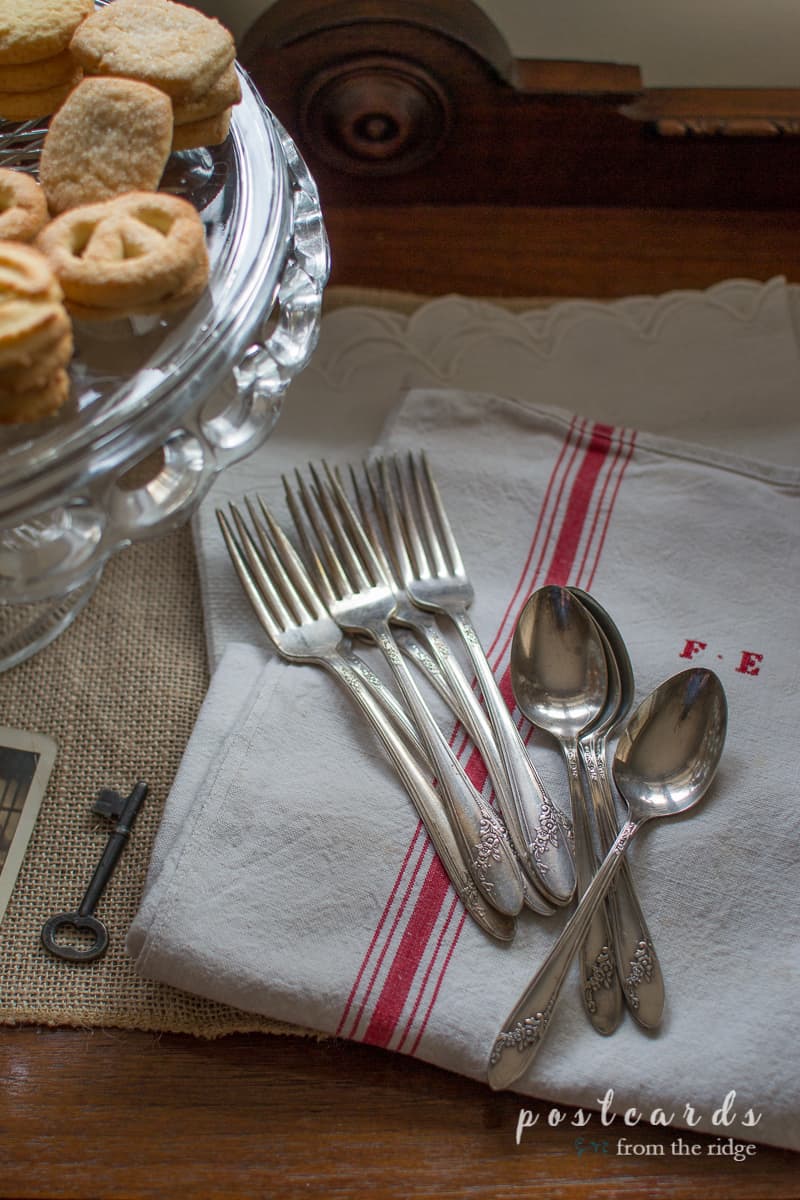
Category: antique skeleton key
[109,804]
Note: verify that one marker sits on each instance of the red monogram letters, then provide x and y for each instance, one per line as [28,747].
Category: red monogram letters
[692,647]
[748,663]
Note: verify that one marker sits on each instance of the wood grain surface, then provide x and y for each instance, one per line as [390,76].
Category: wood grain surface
[109,1114]
[563,252]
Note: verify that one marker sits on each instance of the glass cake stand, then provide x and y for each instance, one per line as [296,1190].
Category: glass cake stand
[159,406]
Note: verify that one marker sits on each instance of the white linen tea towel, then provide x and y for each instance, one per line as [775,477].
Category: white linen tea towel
[291,877]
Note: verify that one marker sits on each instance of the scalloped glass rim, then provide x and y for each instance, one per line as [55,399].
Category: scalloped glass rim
[198,349]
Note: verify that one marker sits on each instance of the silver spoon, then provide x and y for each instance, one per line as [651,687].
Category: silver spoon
[637,963]
[664,763]
[559,678]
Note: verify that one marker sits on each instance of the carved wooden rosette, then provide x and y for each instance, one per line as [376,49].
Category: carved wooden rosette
[411,102]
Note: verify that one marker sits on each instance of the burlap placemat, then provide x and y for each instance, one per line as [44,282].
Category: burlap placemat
[119,692]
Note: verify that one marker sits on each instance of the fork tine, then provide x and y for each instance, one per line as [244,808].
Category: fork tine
[395,534]
[246,579]
[354,531]
[293,564]
[439,565]
[277,572]
[348,558]
[374,524]
[254,579]
[330,576]
[269,581]
[441,515]
[416,546]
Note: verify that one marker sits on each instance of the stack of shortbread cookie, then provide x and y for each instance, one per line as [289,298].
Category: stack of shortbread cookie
[35,336]
[37,70]
[125,85]
[177,49]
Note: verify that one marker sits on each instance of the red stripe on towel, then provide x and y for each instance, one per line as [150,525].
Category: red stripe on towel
[415,939]
[397,983]
[384,916]
[574,439]
[602,540]
[571,442]
[569,537]
[578,505]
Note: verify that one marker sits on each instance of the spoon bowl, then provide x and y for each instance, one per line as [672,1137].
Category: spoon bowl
[558,664]
[621,684]
[670,750]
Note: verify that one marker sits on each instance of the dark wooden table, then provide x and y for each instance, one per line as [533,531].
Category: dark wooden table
[521,250]
[100,1113]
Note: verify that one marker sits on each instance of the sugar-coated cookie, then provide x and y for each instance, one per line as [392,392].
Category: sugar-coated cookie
[110,136]
[190,291]
[210,132]
[23,207]
[135,250]
[23,319]
[37,76]
[172,46]
[31,30]
[223,93]
[25,106]
[35,336]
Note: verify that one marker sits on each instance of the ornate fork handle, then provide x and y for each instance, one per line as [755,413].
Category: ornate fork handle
[480,834]
[386,701]
[546,828]
[426,800]
[445,674]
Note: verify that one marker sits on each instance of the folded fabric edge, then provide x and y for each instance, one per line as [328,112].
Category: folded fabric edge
[561,419]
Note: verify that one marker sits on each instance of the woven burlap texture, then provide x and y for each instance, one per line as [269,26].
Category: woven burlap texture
[119,692]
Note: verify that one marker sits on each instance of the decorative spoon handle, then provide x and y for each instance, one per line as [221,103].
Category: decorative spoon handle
[600,985]
[546,846]
[524,1029]
[636,960]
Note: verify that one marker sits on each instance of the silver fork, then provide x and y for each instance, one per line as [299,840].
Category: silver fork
[437,580]
[415,632]
[422,632]
[361,601]
[302,631]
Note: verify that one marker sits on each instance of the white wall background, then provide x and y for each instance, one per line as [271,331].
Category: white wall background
[716,43]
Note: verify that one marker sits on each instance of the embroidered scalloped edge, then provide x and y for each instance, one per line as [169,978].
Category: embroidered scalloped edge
[360,333]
